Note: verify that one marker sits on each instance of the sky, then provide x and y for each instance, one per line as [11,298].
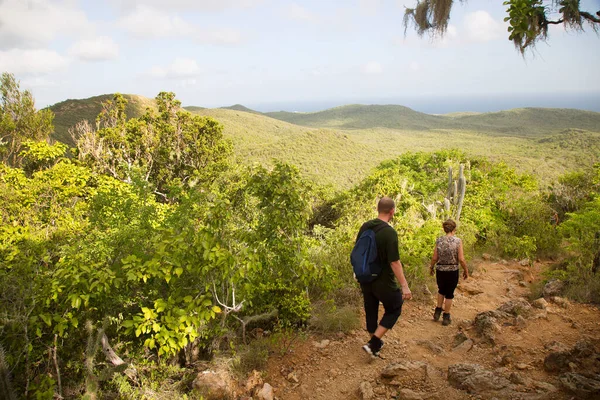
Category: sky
[301,55]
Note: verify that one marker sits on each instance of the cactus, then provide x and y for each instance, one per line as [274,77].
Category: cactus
[456,192]
[455,195]
[91,380]
[6,391]
[462,184]
[450,185]
[432,210]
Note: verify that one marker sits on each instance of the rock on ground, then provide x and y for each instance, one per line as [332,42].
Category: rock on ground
[428,344]
[475,379]
[266,393]
[464,347]
[486,324]
[516,307]
[365,391]
[214,385]
[560,358]
[540,303]
[553,288]
[584,387]
[459,338]
[254,381]
[407,394]
[407,372]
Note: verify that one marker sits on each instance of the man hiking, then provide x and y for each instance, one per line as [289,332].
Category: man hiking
[378,283]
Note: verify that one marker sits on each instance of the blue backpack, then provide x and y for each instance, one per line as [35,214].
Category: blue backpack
[364,256]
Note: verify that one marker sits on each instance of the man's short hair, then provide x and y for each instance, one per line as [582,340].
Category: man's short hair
[449,225]
[385,205]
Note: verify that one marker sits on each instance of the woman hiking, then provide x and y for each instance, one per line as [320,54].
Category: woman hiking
[447,254]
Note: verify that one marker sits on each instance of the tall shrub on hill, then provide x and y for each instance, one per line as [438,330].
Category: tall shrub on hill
[171,149]
[581,235]
[19,120]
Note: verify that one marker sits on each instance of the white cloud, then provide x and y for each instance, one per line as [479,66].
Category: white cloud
[178,69]
[373,68]
[147,22]
[191,5]
[34,23]
[370,7]
[97,49]
[219,36]
[299,13]
[37,82]
[151,23]
[31,62]
[406,3]
[450,38]
[481,27]
[414,66]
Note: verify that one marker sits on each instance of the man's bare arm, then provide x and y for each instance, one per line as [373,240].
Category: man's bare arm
[399,272]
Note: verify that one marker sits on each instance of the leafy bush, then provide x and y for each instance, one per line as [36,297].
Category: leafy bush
[327,319]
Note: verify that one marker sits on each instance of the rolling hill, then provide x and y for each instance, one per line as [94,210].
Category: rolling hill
[69,112]
[339,146]
[358,116]
[515,122]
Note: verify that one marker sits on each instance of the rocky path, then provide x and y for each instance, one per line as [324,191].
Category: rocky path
[499,346]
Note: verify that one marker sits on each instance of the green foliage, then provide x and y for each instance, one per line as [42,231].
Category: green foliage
[293,304]
[546,142]
[170,149]
[157,381]
[329,319]
[19,120]
[223,243]
[70,113]
[573,190]
[580,229]
[41,155]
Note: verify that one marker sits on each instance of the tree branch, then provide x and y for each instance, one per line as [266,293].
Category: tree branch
[114,359]
[590,17]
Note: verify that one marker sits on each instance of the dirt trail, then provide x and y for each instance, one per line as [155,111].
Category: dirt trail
[337,370]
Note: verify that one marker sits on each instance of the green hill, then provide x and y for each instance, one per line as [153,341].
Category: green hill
[516,122]
[339,146]
[69,112]
[323,155]
[358,116]
[531,121]
[239,107]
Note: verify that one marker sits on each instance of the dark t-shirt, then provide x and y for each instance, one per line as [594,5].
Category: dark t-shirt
[387,252]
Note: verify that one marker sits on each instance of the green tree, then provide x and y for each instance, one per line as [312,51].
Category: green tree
[170,149]
[529,19]
[19,120]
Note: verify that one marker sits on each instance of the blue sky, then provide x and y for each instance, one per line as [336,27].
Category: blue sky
[291,55]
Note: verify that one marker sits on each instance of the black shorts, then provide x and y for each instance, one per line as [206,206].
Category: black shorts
[447,282]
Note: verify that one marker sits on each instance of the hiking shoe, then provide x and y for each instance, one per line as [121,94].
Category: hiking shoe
[437,313]
[373,347]
[446,320]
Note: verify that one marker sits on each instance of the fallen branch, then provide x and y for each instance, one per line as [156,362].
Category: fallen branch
[255,318]
[114,359]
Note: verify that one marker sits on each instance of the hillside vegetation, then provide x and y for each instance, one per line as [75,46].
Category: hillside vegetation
[340,146]
[364,117]
[151,236]
[342,157]
[69,112]
[515,122]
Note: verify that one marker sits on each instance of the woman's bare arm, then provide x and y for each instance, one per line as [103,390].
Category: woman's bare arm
[462,261]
